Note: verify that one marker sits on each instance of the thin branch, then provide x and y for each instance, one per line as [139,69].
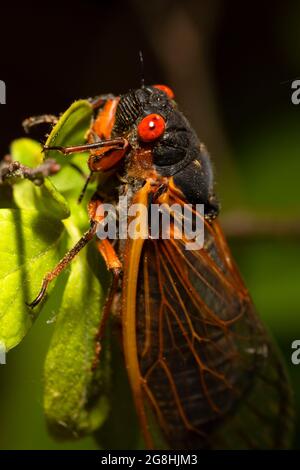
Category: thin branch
[10,171]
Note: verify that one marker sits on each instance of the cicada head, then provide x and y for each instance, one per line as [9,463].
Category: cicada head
[162,141]
[150,119]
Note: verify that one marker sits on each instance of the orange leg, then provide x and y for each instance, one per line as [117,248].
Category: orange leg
[64,262]
[117,143]
[113,264]
[109,254]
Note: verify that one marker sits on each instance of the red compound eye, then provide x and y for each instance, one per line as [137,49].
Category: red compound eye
[151,127]
[166,90]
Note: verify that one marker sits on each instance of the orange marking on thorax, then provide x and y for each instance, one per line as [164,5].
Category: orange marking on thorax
[106,118]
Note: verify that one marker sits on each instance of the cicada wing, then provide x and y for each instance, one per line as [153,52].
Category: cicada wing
[265,417]
[200,353]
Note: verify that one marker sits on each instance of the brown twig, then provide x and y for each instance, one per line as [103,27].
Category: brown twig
[12,170]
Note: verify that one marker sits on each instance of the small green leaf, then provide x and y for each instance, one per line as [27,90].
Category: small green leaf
[29,247]
[75,396]
[27,151]
[70,130]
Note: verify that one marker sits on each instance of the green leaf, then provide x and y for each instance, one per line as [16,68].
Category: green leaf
[76,397]
[30,246]
[69,182]
[45,199]
[27,151]
[70,130]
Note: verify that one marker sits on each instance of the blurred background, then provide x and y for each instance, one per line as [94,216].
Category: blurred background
[230,65]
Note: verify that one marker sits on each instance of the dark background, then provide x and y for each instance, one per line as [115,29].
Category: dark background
[230,65]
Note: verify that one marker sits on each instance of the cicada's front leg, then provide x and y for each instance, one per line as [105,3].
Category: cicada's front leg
[117,143]
[108,255]
[64,262]
[110,152]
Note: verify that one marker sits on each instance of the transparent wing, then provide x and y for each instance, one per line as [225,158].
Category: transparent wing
[206,366]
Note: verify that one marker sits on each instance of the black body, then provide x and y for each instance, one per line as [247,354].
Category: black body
[178,152]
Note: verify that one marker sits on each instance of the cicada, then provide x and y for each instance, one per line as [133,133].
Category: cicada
[200,363]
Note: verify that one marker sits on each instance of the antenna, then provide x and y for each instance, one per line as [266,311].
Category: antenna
[142,69]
